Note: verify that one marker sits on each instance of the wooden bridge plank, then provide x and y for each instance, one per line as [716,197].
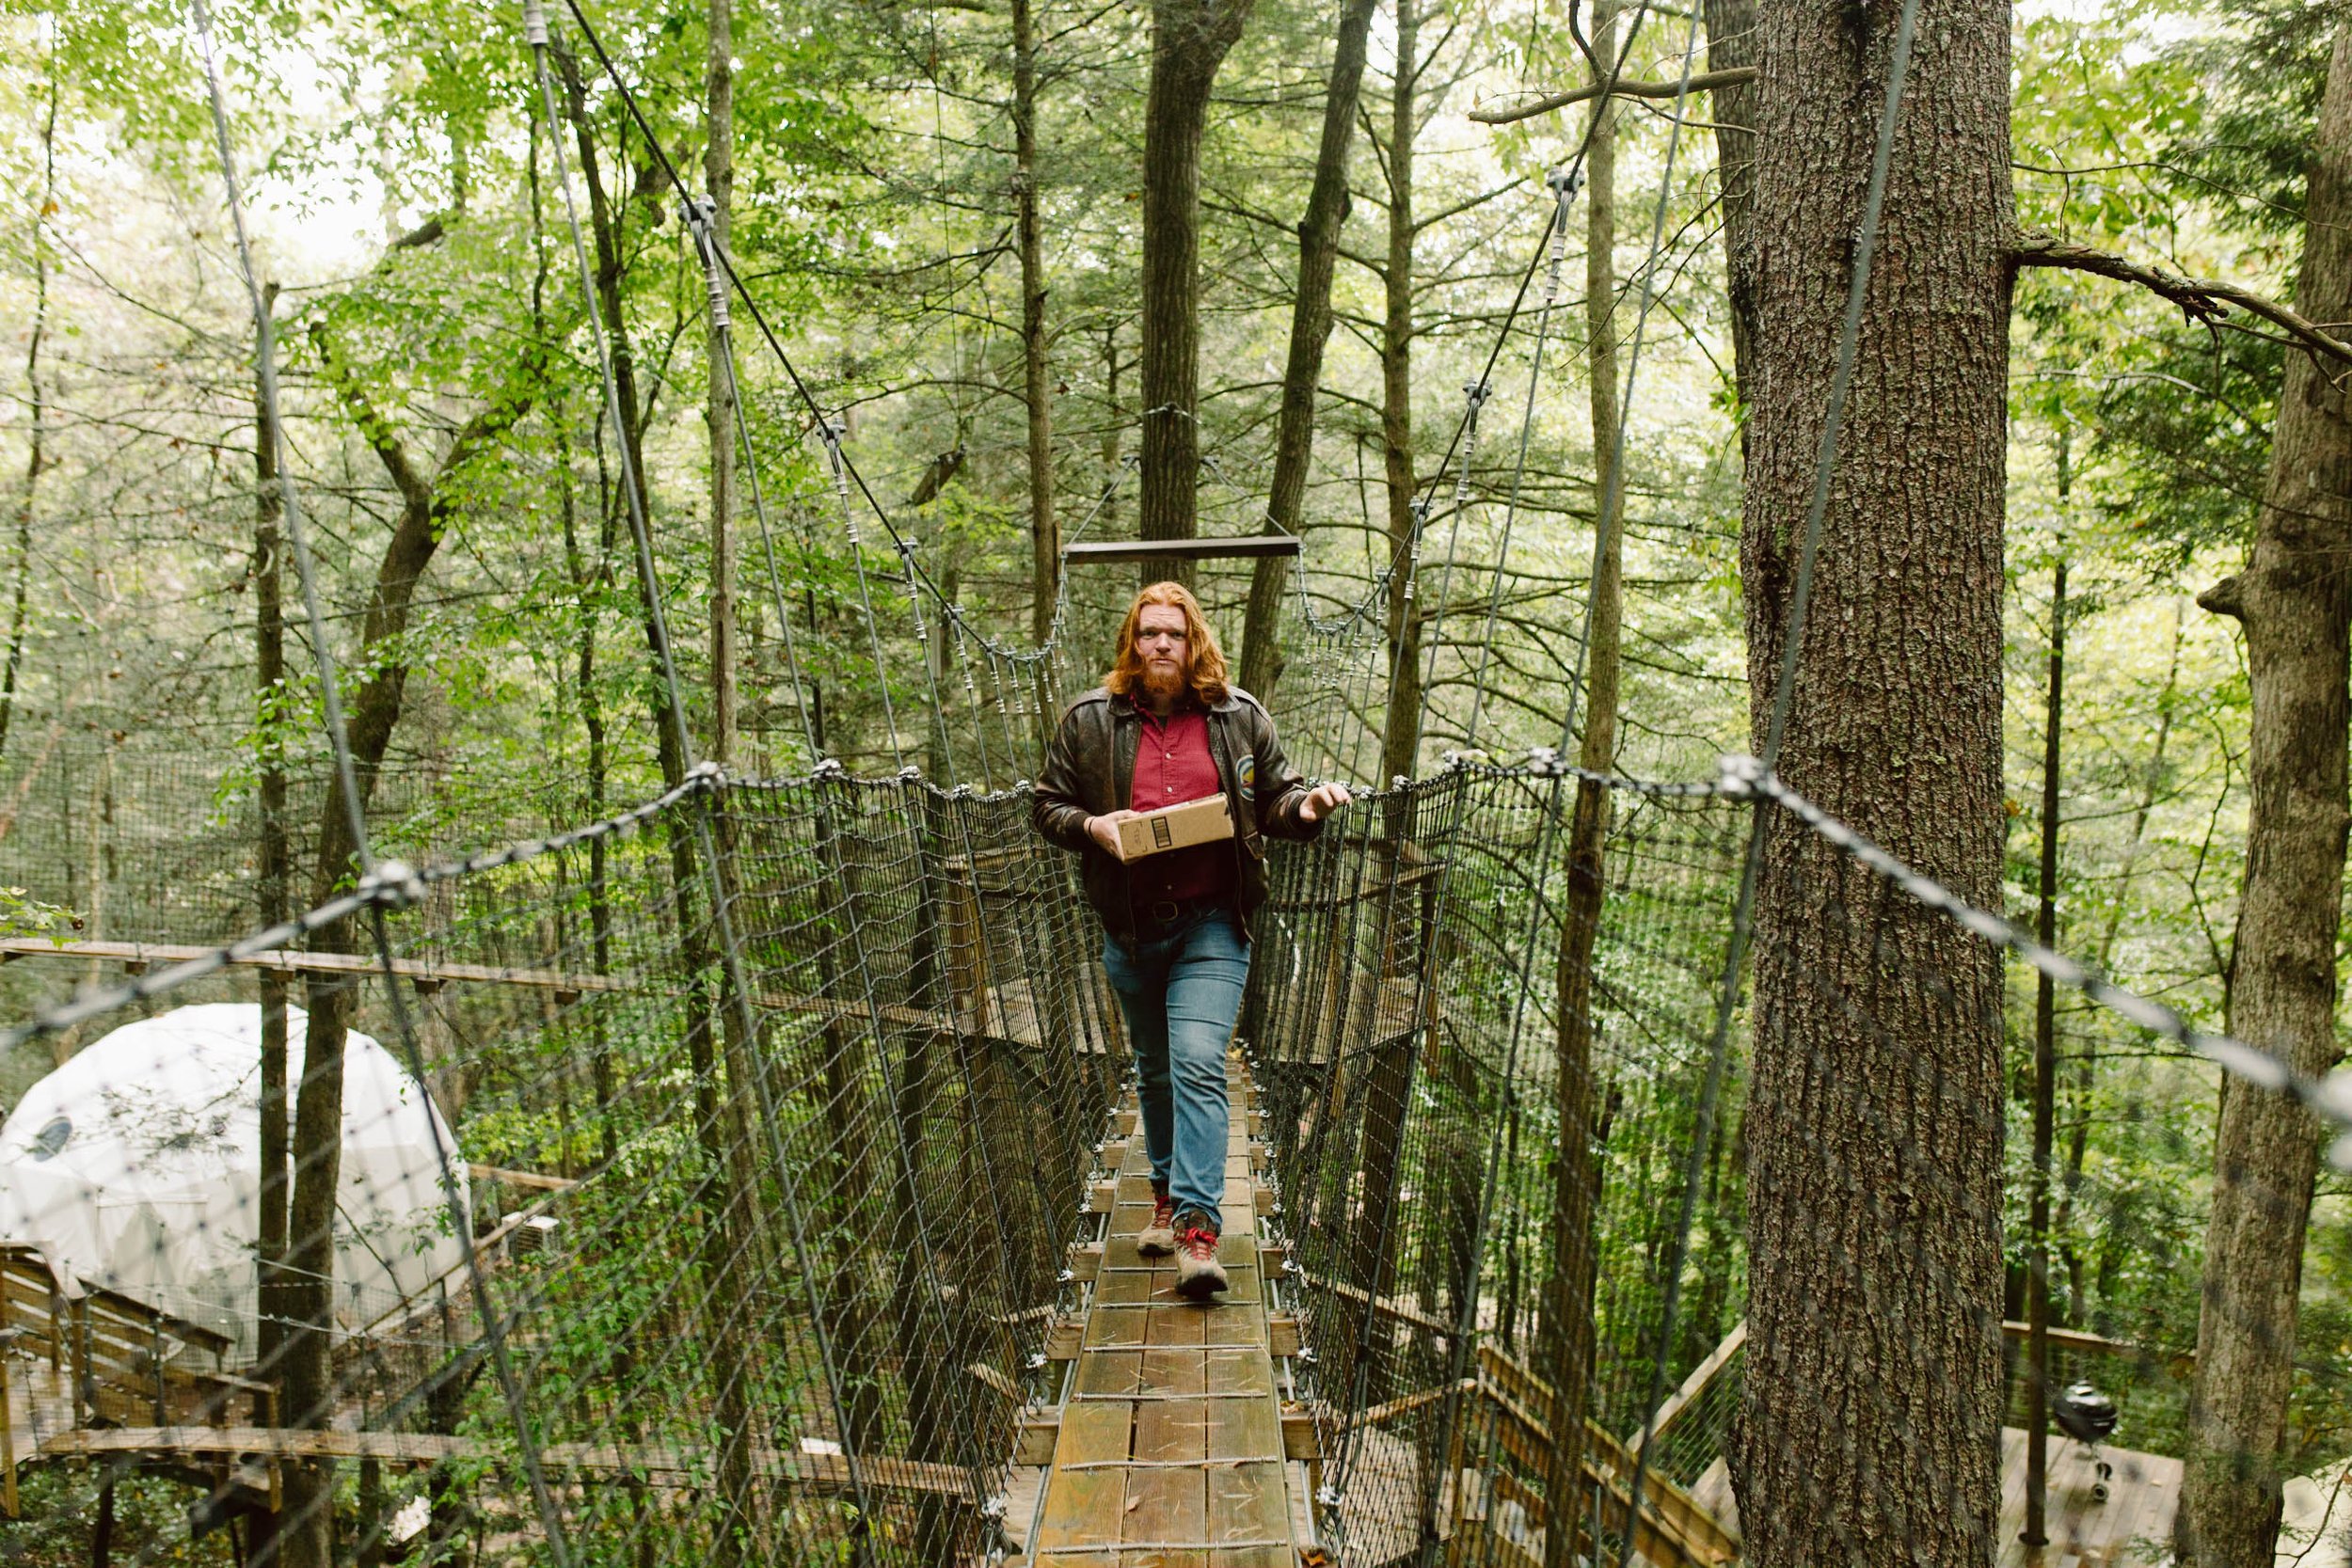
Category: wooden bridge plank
[1177,1399]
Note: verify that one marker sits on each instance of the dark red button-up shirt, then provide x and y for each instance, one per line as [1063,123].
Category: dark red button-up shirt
[1173,763]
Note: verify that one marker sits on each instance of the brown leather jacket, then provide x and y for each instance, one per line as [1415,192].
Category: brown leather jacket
[1090,771]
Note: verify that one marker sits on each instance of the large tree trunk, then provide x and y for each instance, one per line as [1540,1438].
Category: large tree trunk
[1310,328]
[1874,1122]
[1044,534]
[1400,735]
[719,413]
[1730,46]
[2295,601]
[1566,1348]
[1189,41]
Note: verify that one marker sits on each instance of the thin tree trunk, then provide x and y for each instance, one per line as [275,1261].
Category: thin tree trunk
[1565,1348]
[2045,1081]
[1731,45]
[1874,1122]
[1311,329]
[1189,41]
[1400,735]
[2295,601]
[36,429]
[719,412]
[1036,391]
[275,871]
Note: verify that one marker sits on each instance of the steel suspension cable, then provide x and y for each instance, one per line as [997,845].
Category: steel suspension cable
[842,471]
[536,38]
[1563,187]
[379,885]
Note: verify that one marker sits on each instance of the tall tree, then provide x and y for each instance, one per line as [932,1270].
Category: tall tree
[273,880]
[1310,328]
[2295,603]
[1566,1343]
[1731,49]
[1399,735]
[1874,1121]
[1190,40]
[1036,395]
[36,413]
[429,504]
[719,412]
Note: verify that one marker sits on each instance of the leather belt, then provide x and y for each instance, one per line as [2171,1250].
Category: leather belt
[1166,913]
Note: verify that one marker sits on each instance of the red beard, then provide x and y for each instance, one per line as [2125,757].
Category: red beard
[1162,684]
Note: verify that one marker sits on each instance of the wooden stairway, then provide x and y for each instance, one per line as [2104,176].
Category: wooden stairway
[1168,1447]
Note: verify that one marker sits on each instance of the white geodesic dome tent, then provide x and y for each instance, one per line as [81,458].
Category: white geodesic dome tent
[137,1166]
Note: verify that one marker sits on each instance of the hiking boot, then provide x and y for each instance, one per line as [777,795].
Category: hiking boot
[1199,1274]
[1158,1238]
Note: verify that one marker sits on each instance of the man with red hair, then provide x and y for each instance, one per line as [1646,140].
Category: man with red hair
[1166,728]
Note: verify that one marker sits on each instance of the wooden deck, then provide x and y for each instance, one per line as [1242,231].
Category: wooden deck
[1168,1447]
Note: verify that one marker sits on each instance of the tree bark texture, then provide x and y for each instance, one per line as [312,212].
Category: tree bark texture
[1400,735]
[719,411]
[1311,329]
[1731,45]
[273,882]
[1036,389]
[1189,41]
[2295,601]
[1871,1401]
[1565,1349]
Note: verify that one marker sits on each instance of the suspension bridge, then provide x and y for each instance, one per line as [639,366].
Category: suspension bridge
[793,1171]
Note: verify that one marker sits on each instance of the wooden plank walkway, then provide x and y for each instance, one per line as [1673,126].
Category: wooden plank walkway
[1169,1450]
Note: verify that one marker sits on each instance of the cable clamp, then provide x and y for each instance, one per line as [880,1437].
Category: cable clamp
[1565,183]
[909,774]
[1544,759]
[534,23]
[1476,391]
[705,776]
[829,767]
[392,885]
[1736,776]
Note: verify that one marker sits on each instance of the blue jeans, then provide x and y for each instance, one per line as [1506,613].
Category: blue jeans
[1181,995]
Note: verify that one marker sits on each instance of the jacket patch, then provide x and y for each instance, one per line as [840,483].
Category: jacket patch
[1246,773]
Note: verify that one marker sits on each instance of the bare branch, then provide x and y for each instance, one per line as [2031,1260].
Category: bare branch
[1699,82]
[2201,299]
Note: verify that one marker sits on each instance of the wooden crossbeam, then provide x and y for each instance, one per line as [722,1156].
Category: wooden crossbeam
[428,971]
[829,1470]
[429,974]
[1102,551]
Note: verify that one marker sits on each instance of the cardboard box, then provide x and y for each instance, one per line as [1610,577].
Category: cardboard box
[1156,833]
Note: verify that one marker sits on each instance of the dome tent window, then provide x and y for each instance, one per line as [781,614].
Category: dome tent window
[51,1139]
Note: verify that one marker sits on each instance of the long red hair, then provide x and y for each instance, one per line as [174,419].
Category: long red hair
[1204,669]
